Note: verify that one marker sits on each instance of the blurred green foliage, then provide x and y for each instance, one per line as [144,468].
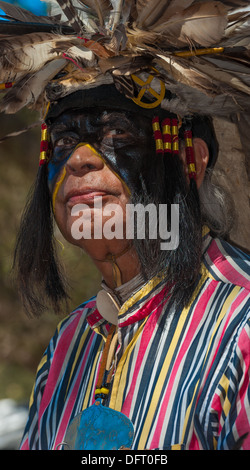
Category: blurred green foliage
[23,340]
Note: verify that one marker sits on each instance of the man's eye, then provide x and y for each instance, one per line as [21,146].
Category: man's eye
[115,132]
[66,141]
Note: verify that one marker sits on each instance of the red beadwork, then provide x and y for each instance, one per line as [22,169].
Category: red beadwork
[190,154]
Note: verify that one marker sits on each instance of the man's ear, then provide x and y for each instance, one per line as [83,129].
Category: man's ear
[201,155]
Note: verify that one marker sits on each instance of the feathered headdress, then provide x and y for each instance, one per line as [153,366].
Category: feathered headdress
[199,49]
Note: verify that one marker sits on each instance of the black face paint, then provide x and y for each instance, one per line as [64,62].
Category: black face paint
[123,139]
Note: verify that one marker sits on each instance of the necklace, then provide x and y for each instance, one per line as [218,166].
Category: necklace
[99,427]
[111,258]
[109,301]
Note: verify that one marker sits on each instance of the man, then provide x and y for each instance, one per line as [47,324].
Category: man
[162,352]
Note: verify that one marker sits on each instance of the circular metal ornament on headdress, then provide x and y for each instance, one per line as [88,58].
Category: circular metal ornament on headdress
[147,88]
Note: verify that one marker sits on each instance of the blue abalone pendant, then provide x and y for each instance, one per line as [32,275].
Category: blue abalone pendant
[99,428]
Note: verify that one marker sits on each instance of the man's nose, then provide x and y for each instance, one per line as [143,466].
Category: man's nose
[83,160]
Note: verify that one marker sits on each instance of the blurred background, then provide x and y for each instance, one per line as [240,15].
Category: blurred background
[23,340]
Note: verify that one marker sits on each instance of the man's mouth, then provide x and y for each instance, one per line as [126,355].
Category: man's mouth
[84,196]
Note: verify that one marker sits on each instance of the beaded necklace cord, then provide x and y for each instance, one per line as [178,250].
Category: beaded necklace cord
[117,278]
[107,365]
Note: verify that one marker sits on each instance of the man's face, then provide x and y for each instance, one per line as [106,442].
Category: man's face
[96,153]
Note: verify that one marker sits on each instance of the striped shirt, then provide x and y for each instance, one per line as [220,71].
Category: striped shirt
[182,377]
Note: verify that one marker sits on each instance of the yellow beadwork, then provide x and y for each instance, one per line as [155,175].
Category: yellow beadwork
[191,168]
[189,142]
[103,390]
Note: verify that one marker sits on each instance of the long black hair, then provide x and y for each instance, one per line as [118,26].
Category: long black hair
[40,278]
[179,266]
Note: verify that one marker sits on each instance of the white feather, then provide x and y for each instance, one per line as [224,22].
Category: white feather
[232,78]
[85,56]
[203,89]
[27,54]
[202,23]
[26,92]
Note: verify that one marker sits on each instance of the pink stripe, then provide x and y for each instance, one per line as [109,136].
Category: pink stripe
[225,267]
[242,420]
[94,318]
[57,363]
[244,345]
[217,406]
[236,303]
[72,397]
[194,443]
[147,335]
[145,310]
[188,337]
[25,445]
[87,305]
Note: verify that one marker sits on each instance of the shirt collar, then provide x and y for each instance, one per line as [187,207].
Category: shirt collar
[133,309]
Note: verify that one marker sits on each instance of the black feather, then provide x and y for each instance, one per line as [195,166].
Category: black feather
[16,28]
